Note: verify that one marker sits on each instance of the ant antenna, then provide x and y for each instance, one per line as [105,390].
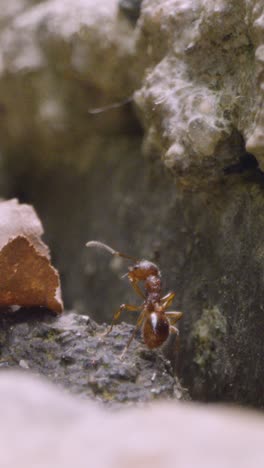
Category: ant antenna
[101,245]
[115,105]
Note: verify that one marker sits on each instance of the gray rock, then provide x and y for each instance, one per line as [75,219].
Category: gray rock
[130,8]
[70,351]
[204,80]
[54,54]
[188,63]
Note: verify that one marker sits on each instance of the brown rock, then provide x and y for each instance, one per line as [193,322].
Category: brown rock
[27,277]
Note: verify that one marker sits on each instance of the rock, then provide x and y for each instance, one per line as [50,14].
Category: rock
[56,430]
[188,63]
[201,83]
[196,68]
[70,351]
[27,277]
[131,9]
[56,51]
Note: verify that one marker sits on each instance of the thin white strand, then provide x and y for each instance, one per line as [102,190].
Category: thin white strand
[115,105]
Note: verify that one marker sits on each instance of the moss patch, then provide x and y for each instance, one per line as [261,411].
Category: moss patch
[208,332]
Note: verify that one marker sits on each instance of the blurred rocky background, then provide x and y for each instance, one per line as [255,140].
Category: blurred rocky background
[140,124]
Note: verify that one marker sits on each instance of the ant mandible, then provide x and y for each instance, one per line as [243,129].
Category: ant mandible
[156,323]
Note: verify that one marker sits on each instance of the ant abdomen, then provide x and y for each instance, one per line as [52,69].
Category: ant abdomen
[155,330]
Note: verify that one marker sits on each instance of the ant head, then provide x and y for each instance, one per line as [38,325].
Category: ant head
[142,269]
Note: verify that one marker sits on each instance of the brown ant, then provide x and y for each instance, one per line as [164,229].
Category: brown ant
[156,323]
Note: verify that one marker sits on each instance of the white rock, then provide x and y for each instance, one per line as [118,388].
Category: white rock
[42,427]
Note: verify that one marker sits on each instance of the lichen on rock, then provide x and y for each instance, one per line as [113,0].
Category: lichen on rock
[207,333]
[203,80]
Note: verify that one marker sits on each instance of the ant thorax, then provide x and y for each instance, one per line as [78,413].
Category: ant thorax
[153,284]
[153,292]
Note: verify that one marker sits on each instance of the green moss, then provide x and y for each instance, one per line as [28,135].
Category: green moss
[105,365]
[50,356]
[52,335]
[108,396]
[208,333]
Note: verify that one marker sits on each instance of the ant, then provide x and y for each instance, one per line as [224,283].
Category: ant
[156,323]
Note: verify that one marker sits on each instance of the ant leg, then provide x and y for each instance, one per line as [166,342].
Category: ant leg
[138,325]
[174,331]
[173,316]
[167,300]
[117,314]
[137,289]
[164,298]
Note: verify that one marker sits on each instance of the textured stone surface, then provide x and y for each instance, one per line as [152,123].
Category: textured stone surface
[70,351]
[130,8]
[197,68]
[203,82]
[196,65]
[56,430]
